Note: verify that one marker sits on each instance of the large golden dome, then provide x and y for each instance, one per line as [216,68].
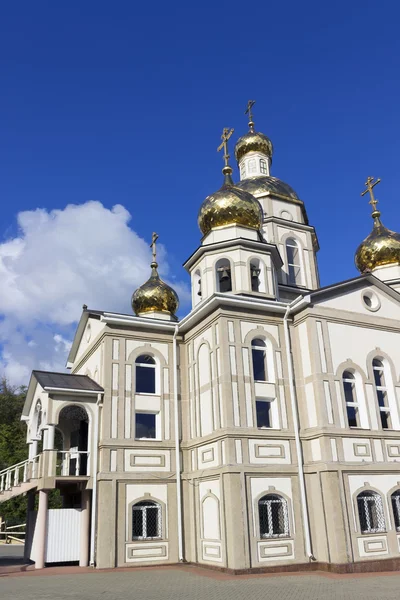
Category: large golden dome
[155,296]
[381,247]
[253,141]
[230,205]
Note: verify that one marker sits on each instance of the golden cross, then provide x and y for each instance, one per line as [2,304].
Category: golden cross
[154,238]
[370,184]
[248,110]
[226,134]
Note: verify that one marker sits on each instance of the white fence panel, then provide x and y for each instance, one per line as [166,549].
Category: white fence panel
[63,535]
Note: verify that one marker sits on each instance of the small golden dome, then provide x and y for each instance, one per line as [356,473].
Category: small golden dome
[230,205]
[253,141]
[381,247]
[155,295]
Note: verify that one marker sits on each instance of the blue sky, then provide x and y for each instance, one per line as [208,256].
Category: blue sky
[123,103]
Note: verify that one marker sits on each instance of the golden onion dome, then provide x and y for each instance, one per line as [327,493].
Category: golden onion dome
[253,141]
[155,295]
[266,184]
[230,205]
[380,248]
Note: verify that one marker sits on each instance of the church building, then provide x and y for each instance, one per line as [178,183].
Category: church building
[261,430]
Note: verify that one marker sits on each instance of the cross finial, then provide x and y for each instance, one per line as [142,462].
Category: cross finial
[370,184]
[249,112]
[154,238]
[226,134]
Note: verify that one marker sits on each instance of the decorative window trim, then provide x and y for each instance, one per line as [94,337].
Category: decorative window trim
[370,502]
[370,300]
[381,391]
[144,509]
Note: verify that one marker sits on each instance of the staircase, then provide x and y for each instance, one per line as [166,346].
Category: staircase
[19,478]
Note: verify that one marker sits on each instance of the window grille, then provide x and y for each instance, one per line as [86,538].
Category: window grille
[352,407]
[145,374]
[396,509]
[146,521]
[258,352]
[273,516]
[370,511]
[263,167]
[381,393]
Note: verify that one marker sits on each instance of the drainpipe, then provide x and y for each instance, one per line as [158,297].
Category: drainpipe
[177,448]
[95,446]
[296,423]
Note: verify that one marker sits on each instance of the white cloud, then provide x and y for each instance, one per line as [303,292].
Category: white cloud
[61,259]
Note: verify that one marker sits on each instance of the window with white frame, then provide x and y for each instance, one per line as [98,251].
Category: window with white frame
[145,426]
[263,167]
[273,516]
[396,509]
[293,262]
[146,521]
[381,393]
[145,374]
[242,171]
[350,395]
[370,512]
[264,412]
[259,357]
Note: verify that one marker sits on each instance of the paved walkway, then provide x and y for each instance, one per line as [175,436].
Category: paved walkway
[189,583]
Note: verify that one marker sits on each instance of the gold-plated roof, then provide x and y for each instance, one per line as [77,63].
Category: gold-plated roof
[265,184]
[382,246]
[228,206]
[253,141]
[155,295]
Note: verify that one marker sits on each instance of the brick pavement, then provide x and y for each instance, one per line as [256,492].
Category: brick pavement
[190,583]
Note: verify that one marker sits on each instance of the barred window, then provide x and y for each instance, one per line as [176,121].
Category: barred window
[370,512]
[396,509]
[146,521]
[273,516]
[381,393]
[145,374]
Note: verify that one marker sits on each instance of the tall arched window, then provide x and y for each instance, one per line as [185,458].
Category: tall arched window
[293,262]
[263,167]
[370,512]
[146,521]
[273,516]
[255,276]
[350,395]
[381,393]
[145,374]
[396,509]
[197,291]
[224,276]
[259,356]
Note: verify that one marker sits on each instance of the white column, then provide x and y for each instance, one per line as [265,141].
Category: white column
[32,449]
[50,437]
[85,528]
[41,528]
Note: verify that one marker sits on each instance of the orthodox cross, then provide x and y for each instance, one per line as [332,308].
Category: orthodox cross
[370,184]
[226,134]
[154,238]
[248,110]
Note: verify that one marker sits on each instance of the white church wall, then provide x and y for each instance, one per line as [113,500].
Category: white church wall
[94,328]
[354,301]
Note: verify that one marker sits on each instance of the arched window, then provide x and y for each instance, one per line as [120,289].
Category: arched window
[259,356]
[263,167]
[350,395]
[197,292]
[273,516]
[293,262]
[224,276]
[396,509]
[370,512]
[255,277]
[146,521]
[145,374]
[381,393]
